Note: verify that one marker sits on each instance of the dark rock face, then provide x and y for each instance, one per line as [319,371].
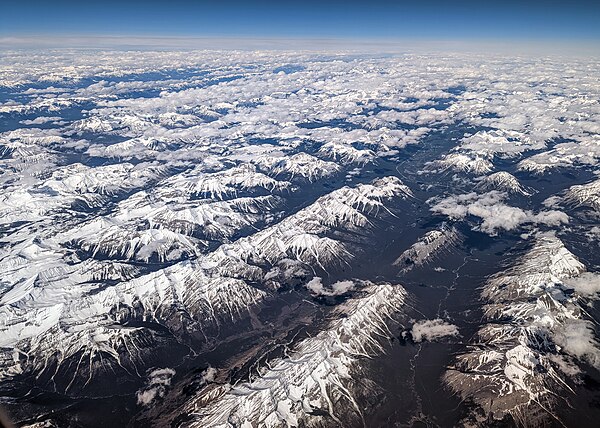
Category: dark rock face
[250,239]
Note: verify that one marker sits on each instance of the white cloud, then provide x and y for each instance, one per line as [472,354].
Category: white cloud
[577,338]
[431,330]
[550,218]
[587,284]
[41,120]
[315,285]
[156,386]
[209,375]
[496,215]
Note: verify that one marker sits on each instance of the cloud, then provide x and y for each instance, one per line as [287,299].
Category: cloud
[41,120]
[209,375]
[550,218]
[431,330]
[338,288]
[214,109]
[566,365]
[156,386]
[587,284]
[577,338]
[496,215]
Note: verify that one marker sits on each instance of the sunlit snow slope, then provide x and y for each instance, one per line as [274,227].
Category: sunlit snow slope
[271,239]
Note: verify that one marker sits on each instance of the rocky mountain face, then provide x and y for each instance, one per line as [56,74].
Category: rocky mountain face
[270,239]
[521,361]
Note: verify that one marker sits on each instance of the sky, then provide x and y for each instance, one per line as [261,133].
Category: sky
[425,19]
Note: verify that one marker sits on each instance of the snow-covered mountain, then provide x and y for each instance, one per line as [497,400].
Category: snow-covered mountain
[504,182]
[521,362]
[215,239]
[313,385]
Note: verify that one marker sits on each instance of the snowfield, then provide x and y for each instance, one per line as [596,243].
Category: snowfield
[301,239]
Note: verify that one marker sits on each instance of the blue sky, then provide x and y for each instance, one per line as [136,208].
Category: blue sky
[424,19]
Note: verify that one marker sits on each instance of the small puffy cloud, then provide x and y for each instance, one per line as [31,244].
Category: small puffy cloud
[550,218]
[147,396]
[565,364]
[587,284]
[489,207]
[209,375]
[577,338]
[41,120]
[496,215]
[342,287]
[156,386]
[432,330]
[316,287]
[593,234]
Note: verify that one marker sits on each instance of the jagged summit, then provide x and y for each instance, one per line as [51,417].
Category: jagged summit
[428,247]
[210,238]
[524,366]
[584,195]
[317,377]
[504,182]
[214,287]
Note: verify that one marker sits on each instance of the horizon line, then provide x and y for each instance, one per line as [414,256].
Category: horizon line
[382,44]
